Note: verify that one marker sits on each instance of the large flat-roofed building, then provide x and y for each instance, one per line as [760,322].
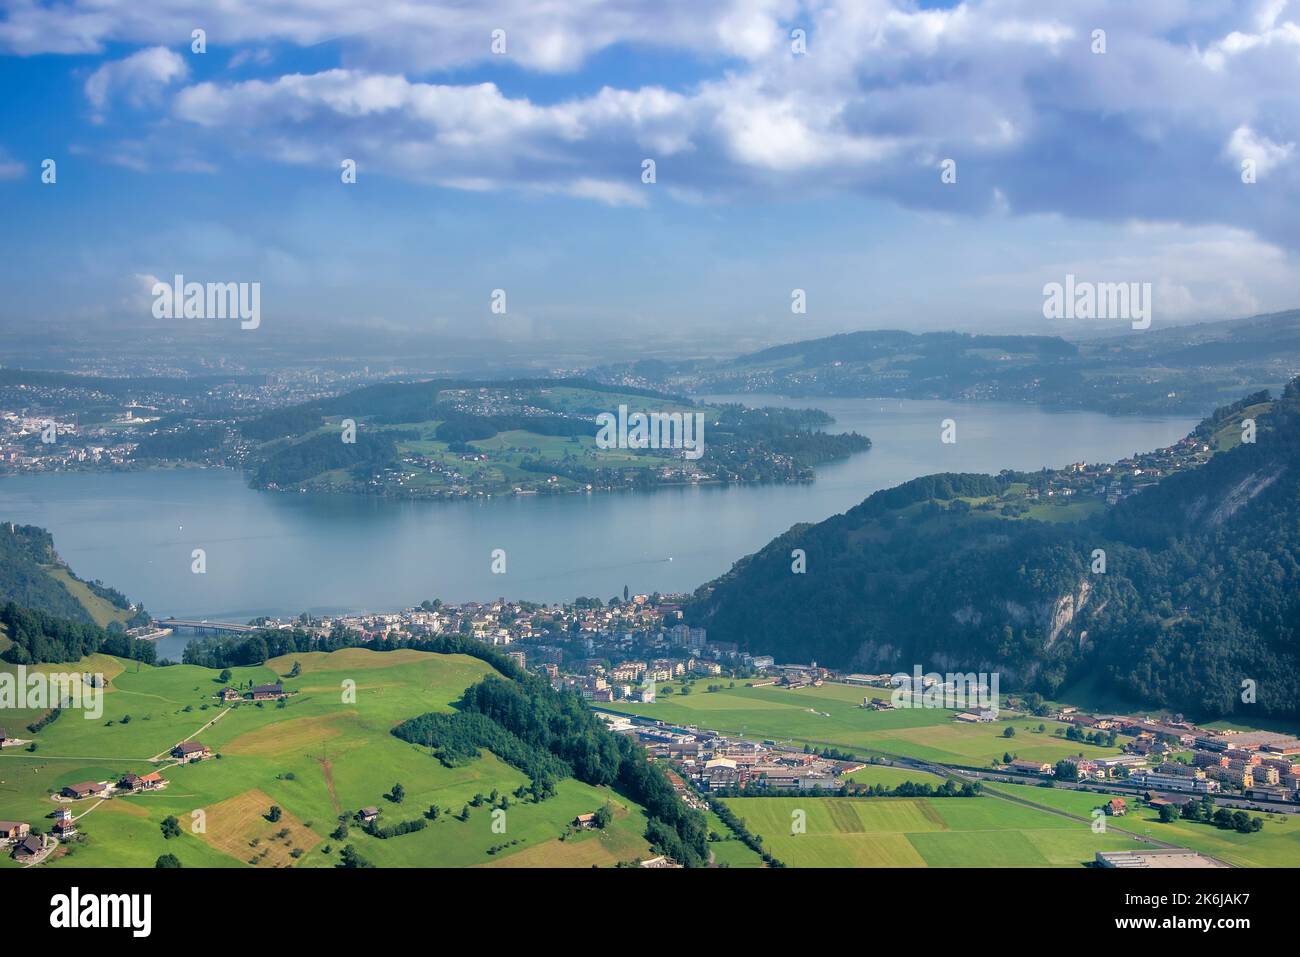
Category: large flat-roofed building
[1271,741]
[1155,857]
[1172,782]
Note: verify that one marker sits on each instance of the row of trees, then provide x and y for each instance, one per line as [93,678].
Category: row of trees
[455,740]
[561,723]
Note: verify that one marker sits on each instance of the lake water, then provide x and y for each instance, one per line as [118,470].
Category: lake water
[282,554]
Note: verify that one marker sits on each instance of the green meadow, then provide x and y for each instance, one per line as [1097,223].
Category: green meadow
[324,753]
[832,716]
[921,832]
[1278,845]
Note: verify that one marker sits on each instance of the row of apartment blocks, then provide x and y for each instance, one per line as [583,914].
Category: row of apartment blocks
[1258,762]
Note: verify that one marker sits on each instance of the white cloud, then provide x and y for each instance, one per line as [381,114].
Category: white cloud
[139,79]
[1246,144]
[1007,87]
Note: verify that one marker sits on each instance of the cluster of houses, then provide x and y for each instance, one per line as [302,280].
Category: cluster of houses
[717,763]
[1123,478]
[631,680]
[28,847]
[20,452]
[642,638]
[1259,764]
[17,835]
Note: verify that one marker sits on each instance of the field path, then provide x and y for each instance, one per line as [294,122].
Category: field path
[221,715]
[328,771]
[89,809]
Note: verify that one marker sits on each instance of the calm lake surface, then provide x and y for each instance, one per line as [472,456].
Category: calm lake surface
[282,554]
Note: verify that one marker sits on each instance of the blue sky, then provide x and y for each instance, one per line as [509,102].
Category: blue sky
[776,169]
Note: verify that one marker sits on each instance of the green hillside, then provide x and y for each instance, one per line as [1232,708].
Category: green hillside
[34,576]
[319,756]
[1200,591]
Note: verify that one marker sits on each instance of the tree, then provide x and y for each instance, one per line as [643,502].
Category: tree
[168,860]
[604,814]
[224,677]
[1009,732]
[171,827]
[1168,814]
[274,814]
[398,794]
[350,858]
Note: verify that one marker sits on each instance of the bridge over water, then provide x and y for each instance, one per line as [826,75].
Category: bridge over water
[205,626]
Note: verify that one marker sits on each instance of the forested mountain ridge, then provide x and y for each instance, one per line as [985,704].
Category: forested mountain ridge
[1200,590]
[47,613]
[33,575]
[1191,368]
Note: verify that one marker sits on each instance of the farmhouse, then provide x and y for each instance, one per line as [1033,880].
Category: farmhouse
[227,695]
[29,847]
[188,751]
[12,831]
[84,790]
[134,782]
[269,692]
[64,826]
[1115,807]
[369,814]
[585,820]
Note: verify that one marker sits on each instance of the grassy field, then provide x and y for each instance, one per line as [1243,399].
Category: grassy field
[831,716]
[316,757]
[100,609]
[921,832]
[1278,845]
[891,777]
